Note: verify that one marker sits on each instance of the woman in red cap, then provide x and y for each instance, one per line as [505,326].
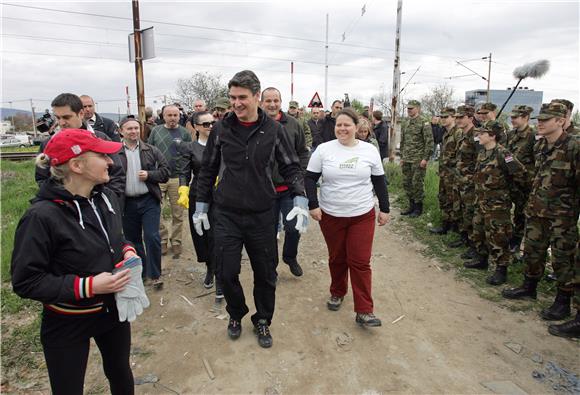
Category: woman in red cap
[66,248]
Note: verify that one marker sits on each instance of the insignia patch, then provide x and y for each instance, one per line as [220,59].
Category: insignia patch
[76,149]
[509,159]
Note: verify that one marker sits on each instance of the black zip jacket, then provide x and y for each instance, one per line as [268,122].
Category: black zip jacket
[298,141]
[107,126]
[153,161]
[192,154]
[325,131]
[243,161]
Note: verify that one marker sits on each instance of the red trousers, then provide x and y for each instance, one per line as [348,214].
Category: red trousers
[350,241]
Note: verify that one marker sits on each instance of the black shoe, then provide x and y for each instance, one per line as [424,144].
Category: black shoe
[418,210]
[515,244]
[219,294]
[410,209]
[498,277]
[367,319]
[478,262]
[526,291]
[295,269]
[469,254]
[441,230]
[263,331]
[560,309]
[459,243]
[569,329]
[234,329]
[551,277]
[208,281]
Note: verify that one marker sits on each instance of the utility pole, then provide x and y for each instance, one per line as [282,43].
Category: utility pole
[12,116]
[33,117]
[326,68]
[395,127]
[488,76]
[291,81]
[139,65]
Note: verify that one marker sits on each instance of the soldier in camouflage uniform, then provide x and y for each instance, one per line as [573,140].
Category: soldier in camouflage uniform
[552,216]
[520,142]
[466,161]
[495,170]
[448,174]
[293,111]
[569,126]
[488,112]
[416,150]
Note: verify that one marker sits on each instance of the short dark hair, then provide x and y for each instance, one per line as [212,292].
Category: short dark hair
[378,115]
[246,79]
[336,101]
[167,106]
[68,99]
[349,112]
[196,115]
[270,88]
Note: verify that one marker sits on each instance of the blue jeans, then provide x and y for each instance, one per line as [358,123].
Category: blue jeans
[141,220]
[283,205]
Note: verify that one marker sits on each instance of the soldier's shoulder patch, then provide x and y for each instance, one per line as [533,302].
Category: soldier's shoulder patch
[508,157]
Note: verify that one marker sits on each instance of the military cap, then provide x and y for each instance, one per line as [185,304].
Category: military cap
[493,128]
[223,103]
[486,107]
[552,110]
[464,110]
[569,105]
[413,104]
[293,104]
[447,111]
[521,111]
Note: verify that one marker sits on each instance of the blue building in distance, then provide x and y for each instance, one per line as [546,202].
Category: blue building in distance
[522,96]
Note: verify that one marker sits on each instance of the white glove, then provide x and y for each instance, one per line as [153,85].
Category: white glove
[199,218]
[132,300]
[300,212]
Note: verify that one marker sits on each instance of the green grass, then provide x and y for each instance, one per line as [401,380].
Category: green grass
[32,148]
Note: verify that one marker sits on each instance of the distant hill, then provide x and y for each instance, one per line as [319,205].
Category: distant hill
[8,112]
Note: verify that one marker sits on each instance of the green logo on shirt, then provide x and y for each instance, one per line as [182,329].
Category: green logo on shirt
[349,164]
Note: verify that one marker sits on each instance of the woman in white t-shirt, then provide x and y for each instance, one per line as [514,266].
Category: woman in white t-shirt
[350,170]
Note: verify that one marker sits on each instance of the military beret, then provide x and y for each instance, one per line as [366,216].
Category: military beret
[413,104]
[552,110]
[486,107]
[521,111]
[447,111]
[464,110]
[569,105]
[293,104]
[223,103]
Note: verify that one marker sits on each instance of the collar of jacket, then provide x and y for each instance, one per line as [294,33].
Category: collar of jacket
[283,117]
[231,118]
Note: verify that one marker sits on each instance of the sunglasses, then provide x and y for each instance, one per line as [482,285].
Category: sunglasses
[206,124]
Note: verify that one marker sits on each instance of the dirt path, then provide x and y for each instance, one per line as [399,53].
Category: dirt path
[449,340]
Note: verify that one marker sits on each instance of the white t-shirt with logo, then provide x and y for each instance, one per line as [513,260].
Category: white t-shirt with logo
[346,189]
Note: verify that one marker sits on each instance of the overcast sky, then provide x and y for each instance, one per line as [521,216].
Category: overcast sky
[45,52]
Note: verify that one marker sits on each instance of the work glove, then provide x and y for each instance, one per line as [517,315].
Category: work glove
[132,300]
[199,218]
[183,196]
[300,212]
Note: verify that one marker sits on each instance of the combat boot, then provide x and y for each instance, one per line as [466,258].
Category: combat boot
[470,253]
[498,277]
[459,243]
[418,210]
[560,309]
[479,262]
[441,230]
[515,243]
[411,208]
[569,329]
[527,290]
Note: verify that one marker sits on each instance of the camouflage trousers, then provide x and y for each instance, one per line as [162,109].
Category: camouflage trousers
[576,281]
[448,196]
[413,181]
[562,235]
[467,199]
[491,233]
[520,199]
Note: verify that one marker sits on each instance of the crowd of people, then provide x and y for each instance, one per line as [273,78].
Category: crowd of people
[92,241]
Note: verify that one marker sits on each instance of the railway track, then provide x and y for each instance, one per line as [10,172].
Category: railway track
[17,156]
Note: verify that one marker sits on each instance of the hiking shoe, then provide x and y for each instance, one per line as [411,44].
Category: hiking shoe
[262,329]
[157,284]
[208,281]
[219,295]
[234,329]
[333,303]
[369,319]
[295,269]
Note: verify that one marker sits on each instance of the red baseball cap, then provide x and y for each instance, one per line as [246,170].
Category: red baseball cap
[70,143]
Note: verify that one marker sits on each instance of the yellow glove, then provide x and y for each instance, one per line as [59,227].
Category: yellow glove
[183,196]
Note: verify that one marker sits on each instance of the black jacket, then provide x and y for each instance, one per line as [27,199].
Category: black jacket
[107,126]
[243,160]
[192,154]
[153,161]
[298,141]
[325,132]
[314,125]
[381,131]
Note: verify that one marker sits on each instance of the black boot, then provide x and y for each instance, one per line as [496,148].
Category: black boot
[498,277]
[469,254]
[479,262]
[560,309]
[515,244]
[418,210]
[441,230]
[209,274]
[459,243]
[569,329]
[527,290]
[411,208]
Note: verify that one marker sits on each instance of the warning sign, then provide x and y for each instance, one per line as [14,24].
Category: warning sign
[315,101]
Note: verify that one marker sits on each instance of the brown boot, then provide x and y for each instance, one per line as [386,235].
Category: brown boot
[176,250]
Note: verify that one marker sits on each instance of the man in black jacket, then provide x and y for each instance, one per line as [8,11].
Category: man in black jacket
[145,167]
[326,130]
[381,131]
[241,152]
[97,122]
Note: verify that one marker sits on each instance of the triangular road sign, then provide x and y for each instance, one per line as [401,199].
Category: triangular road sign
[315,101]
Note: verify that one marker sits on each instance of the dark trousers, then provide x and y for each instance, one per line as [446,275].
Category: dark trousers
[141,220]
[67,364]
[255,231]
[204,244]
[283,205]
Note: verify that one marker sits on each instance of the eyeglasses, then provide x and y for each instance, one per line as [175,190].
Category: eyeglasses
[206,124]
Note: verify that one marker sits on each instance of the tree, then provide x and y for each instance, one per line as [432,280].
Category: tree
[22,122]
[357,105]
[205,86]
[441,96]
[576,117]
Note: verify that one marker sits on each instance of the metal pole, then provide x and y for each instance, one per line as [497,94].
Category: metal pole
[139,65]
[396,85]
[291,81]
[12,116]
[33,118]
[326,68]
[488,76]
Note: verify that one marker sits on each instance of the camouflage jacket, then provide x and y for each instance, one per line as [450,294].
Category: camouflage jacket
[573,129]
[555,189]
[417,140]
[521,144]
[449,144]
[495,170]
[307,133]
[466,155]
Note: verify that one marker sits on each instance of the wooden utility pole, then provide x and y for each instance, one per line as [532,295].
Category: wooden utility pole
[139,65]
[326,68]
[488,76]
[395,127]
[33,117]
